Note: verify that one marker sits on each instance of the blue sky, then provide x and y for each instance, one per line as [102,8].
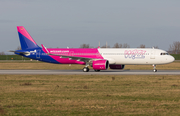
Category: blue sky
[62,23]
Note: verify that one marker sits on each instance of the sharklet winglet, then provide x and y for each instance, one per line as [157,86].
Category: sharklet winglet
[45,48]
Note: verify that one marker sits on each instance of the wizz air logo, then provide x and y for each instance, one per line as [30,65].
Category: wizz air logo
[30,52]
[33,51]
[134,54]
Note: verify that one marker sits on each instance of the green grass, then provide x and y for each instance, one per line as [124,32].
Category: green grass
[89,95]
[176,56]
[13,57]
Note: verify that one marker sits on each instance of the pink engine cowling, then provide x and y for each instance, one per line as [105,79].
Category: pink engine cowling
[100,64]
[116,66]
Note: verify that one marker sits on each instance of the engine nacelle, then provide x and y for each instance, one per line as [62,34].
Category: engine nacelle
[100,64]
[116,66]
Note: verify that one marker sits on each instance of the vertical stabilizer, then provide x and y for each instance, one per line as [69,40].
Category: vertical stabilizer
[26,40]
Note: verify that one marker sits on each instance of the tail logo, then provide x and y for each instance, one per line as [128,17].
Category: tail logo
[33,52]
[30,52]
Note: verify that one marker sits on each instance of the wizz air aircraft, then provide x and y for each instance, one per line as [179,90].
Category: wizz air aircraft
[98,58]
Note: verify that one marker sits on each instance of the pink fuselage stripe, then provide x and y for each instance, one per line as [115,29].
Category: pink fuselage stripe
[23,31]
[85,53]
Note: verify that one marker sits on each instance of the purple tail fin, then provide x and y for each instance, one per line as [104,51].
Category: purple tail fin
[26,40]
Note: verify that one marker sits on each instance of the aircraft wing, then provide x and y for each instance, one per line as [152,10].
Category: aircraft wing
[84,59]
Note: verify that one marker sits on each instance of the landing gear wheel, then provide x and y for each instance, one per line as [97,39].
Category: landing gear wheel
[86,69]
[96,70]
[155,70]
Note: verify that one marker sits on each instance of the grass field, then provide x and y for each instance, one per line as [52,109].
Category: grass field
[41,65]
[13,57]
[89,95]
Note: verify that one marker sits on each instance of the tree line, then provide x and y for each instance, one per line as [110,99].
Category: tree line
[116,45]
[175,48]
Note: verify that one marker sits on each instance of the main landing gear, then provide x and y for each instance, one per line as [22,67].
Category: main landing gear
[154,66]
[86,69]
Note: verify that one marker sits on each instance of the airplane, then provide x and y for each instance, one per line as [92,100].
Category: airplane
[97,58]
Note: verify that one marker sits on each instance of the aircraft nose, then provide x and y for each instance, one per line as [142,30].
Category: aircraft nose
[171,59]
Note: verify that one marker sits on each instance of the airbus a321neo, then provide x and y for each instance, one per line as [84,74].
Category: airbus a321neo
[97,58]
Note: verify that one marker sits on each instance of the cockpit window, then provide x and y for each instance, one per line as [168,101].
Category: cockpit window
[164,54]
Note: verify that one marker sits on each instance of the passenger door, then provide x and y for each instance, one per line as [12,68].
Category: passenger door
[38,54]
[152,55]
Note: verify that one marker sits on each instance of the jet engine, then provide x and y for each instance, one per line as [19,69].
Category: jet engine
[100,65]
[116,66]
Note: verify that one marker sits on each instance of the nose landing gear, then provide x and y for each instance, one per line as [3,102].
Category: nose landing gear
[154,66]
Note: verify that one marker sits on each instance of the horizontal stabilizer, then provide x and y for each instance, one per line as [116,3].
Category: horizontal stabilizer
[25,53]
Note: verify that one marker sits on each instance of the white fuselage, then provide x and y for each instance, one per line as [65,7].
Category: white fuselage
[135,56]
